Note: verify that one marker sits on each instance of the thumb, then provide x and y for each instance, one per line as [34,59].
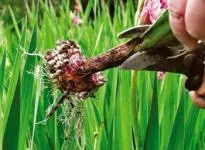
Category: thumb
[201,90]
[198,97]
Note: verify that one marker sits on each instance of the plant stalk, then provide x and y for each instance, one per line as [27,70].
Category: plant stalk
[109,59]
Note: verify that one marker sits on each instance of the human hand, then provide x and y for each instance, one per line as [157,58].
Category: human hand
[187,20]
[198,96]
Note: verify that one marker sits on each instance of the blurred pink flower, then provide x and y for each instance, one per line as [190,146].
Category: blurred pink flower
[151,10]
[76,20]
[160,75]
[163,4]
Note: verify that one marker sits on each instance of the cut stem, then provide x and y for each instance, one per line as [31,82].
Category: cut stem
[109,59]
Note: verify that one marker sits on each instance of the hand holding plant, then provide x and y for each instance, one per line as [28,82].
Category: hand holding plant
[187,21]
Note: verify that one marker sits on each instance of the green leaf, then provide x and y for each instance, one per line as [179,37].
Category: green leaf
[15,23]
[176,140]
[135,108]
[190,125]
[13,120]
[168,106]
[2,73]
[13,81]
[152,138]
[158,32]
[97,114]
[27,90]
[88,11]
[122,131]
[37,98]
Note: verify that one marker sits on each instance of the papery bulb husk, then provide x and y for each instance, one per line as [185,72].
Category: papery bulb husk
[63,62]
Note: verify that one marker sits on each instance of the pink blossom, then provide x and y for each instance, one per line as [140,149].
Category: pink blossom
[163,4]
[76,20]
[151,10]
[160,75]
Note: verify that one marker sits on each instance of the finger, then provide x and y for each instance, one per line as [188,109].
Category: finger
[177,22]
[198,100]
[201,90]
[195,18]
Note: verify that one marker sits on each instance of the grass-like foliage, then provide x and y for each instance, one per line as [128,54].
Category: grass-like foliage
[133,110]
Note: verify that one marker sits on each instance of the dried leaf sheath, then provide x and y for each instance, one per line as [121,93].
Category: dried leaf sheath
[109,59]
[62,64]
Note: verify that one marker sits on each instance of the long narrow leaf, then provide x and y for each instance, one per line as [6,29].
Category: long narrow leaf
[13,81]
[2,72]
[27,90]
[12,132]
[152,139]
[176,140]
